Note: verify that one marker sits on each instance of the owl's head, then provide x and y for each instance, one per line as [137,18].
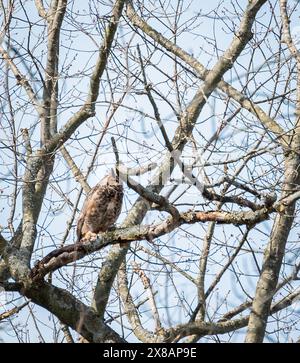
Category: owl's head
[111,178]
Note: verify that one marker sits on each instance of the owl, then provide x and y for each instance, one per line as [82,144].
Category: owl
[101,208]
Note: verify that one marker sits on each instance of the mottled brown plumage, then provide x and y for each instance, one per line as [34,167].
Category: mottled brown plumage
[101,208]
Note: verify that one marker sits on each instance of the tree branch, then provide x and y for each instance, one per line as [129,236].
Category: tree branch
[273,256]
[9,313]
[148,286]
[23,81]
[72,312]
[41,9]
[88,109]
[131,312]
[149,195]
[202,72]
[188,120]
[62,256]
[49,117]
[200,328]
[79,177]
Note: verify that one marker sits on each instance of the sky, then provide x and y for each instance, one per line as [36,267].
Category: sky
[138,143]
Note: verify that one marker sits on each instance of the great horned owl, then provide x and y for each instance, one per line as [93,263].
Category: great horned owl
[101,208]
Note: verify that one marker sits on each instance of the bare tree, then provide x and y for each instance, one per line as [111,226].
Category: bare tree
[197,106]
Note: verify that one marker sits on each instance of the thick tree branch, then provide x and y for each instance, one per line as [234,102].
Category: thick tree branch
[49,117]
[40,164]
[287,38]
[202,72]
[88,109]
[72,312]
[62,256]
[41,9]
[148,286]
[131,312]
[149,195]
[61,303]
[188,120]
[274,252]
[200,328]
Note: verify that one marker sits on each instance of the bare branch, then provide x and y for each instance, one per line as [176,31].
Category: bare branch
[41,9]
[9,313]
[49,117]
[88,109]
[183,132]
[23,81]
[148,194]
[63,256]
[202,72]
[169,263]
[79,177]
[73,313]
[67,333]
[147,286]
[130,309]
[274,252]
[202,328]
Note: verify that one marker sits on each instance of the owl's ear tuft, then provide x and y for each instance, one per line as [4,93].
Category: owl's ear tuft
[113,173]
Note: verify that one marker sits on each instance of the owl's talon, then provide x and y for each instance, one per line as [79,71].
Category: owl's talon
[89,236]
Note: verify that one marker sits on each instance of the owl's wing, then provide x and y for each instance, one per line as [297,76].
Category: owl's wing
[82,215]
[79,227]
